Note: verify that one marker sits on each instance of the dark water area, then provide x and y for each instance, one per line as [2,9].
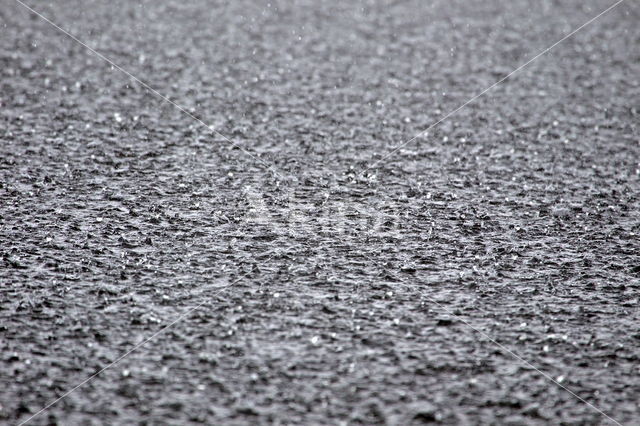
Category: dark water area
[464,279]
